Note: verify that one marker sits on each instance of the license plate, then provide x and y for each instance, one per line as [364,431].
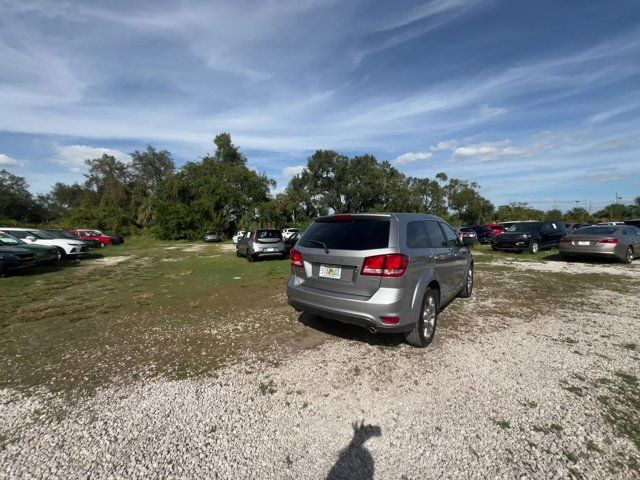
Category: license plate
[584,243]
[329,271]
[270,249]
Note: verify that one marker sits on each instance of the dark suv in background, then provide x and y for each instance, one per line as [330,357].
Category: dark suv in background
[532,236]
[388,272]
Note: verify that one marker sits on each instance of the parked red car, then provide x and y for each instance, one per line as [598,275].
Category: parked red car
[84,234]
[496,228]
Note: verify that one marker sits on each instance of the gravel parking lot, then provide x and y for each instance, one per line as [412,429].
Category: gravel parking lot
[534,377]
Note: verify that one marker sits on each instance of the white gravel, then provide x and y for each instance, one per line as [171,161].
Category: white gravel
[492,405]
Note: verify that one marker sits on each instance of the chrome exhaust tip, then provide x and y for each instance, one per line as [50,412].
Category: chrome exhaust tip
[372,329]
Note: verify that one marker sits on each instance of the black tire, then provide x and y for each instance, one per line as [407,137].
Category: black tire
[238,253]
[250,257]
[534,246]
[62,254]
[628,257]
[420,336]
[493,247]
[467,290]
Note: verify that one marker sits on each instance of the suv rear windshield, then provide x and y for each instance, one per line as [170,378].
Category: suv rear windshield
[356,234]
[264,234]
[525,227]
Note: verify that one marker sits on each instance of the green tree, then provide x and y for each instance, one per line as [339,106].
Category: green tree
[16,202]
[149,169]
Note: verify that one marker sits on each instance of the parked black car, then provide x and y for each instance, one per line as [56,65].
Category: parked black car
[485,234]
[635,222]
[56,233]
[532,236]
[115,239]
[14,258]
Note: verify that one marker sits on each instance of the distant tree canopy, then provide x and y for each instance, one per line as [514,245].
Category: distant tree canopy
[221,193]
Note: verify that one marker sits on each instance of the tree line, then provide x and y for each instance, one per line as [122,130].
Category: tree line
[219,192]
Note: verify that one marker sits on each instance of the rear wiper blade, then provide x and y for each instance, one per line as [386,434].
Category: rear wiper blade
[322,244]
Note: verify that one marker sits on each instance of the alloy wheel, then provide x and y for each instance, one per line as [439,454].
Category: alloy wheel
[429,317]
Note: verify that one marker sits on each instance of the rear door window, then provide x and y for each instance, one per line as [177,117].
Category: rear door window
[357,234]
[436,236]
[450,235]
[418,235]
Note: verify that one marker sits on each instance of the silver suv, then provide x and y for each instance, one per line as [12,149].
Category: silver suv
[388,272]
[261,243]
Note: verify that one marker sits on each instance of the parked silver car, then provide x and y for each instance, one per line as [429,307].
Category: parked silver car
[388,272]
[615,241]
[261,243]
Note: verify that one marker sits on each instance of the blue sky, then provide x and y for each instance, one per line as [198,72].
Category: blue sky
[538,101]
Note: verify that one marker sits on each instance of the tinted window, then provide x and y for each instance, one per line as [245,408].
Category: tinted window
[525,227]
[418,235]
[435,234]
[260,234]
[9,240]
[450,235]
[597,230]
[467,229]
[18,234]
[358,234]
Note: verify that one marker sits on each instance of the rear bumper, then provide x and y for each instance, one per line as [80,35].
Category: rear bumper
[591,251]
[354,310]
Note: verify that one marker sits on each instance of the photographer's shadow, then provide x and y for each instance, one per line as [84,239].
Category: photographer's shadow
[355,461]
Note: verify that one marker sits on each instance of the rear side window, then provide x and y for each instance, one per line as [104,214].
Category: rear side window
[18,234]
[450,235]
[418,235]
[435,234]
[358,234]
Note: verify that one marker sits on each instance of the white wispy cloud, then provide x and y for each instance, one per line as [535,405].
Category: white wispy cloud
[444,145]
[73,156]
[293,171]
[411,157]
[7,161]
[487,110]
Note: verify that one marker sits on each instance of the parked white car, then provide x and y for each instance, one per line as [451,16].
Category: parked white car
[289,232]
[237,237]
[69,248]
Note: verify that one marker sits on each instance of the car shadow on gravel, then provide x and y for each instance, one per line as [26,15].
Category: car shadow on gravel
[355,462]
[350,332]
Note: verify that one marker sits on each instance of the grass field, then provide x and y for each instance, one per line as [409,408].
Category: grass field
[180,309]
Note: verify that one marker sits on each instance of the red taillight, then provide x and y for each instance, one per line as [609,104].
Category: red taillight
[609,240]
[392,265]
[390,320]
[296,258]
[565,240]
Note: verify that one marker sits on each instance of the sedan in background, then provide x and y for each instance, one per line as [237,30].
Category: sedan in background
[621,242]
[237,237]
[85,234]
[56,233]
[42,253]
[211,237]
[290,242]
[485,234]
[532,236]
[13,258]
[467,232]
[496,228]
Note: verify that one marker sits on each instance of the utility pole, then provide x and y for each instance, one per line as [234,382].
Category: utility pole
[618,197]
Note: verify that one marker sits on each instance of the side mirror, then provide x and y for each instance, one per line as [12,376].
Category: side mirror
[467,241]
[31,238]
